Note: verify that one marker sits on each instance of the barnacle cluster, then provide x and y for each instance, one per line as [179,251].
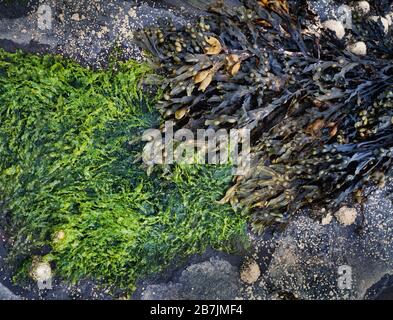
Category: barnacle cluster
[320,117]
[372,29]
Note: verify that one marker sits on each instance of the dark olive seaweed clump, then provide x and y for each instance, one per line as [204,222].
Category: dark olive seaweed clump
[320,117]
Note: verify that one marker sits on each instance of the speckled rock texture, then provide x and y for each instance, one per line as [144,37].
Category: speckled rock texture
[86,31]
[303,262]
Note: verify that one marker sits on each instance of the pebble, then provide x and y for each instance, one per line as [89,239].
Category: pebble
[336,26]
[77,17]
[250,271]
[359,48]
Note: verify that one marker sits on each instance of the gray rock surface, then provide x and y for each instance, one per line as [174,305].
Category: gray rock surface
[308,256]
[209,280]
[87,30]
[6,294]
[327,9]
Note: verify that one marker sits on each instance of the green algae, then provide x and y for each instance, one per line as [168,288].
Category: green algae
[70,187]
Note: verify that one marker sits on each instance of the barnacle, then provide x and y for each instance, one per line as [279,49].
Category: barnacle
[320,117]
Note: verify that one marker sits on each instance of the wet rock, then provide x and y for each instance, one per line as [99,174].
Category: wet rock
[65,29]
[308,256]
[6,294]
[207,280]
[382,290]
[219,274]
[168,291]
[326,9]
[16,9]
[336,26]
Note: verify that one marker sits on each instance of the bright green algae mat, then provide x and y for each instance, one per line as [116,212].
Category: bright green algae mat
[68,168]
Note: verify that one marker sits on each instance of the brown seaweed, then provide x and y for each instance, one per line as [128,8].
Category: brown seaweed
[320,116]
